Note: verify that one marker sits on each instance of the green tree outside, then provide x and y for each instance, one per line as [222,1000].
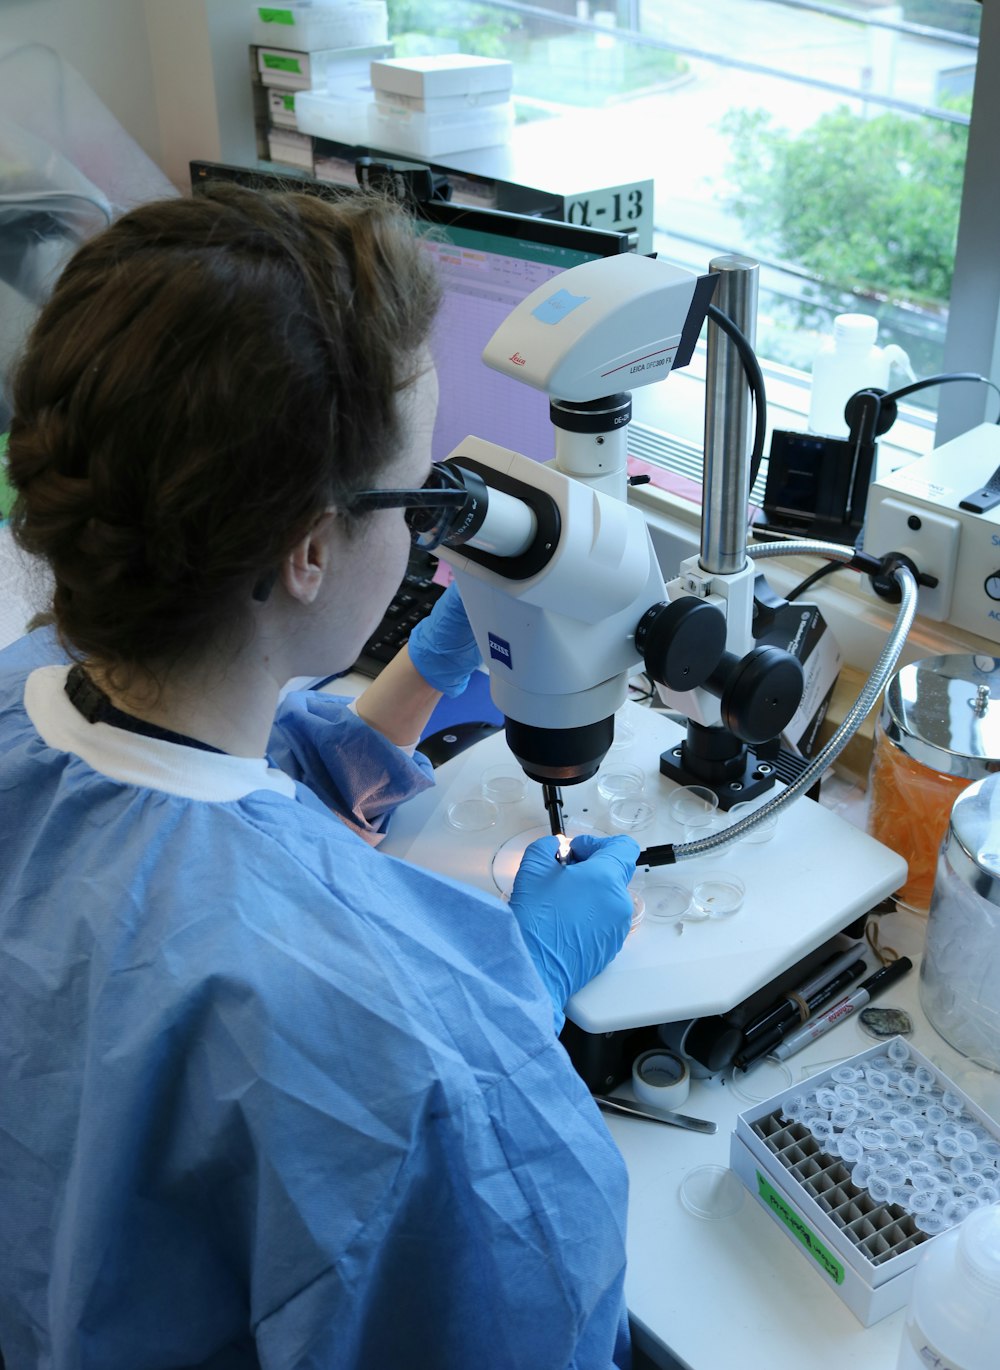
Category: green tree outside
[865,205]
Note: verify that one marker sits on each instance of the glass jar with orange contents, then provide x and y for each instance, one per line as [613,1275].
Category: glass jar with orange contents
[938,731]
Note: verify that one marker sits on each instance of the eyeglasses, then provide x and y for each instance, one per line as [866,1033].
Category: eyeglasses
[442,490]
[433,510]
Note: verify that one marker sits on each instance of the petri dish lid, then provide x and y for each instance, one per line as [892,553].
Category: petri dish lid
[972,845]
[712,1192]
[944,712]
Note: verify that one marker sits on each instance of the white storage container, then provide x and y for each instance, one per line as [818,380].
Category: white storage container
[342,69]
[394,129]
[442,104]
[449,74]
[864,1248]
[953,1318]
[326,114]
[310,27]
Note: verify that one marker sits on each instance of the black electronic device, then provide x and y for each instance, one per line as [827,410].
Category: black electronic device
[487,260]
[415,598]
[816,487]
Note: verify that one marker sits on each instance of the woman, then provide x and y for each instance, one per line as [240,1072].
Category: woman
[267,1096]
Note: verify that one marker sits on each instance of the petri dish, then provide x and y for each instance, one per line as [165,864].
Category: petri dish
[620,781]
[719,894]
[761,832]
[473,814]
[667,900]
[504,784]
[762,1081]
[624,732]
[695,809]
[638,909]
[507,856]
[630,814]
[712,1192]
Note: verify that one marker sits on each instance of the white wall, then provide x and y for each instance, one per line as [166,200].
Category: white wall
[174,73]
[106,41]
[201,73]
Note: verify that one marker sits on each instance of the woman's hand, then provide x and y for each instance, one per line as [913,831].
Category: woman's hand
[575,917]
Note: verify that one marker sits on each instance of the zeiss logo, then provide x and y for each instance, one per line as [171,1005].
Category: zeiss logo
[500,650]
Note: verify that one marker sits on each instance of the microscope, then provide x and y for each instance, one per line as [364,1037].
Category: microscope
[558,572]
[567,599]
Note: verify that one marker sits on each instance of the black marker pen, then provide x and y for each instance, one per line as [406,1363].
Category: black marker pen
[765,1044]
[867,990]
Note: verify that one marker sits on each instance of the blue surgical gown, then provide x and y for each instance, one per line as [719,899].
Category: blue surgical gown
[270,1097]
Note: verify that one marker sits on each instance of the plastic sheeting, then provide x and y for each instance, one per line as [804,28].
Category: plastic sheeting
[67,168]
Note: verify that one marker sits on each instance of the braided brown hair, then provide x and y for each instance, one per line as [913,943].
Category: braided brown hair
[207,377]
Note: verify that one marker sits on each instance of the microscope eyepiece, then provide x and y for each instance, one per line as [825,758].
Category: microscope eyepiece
[453,510]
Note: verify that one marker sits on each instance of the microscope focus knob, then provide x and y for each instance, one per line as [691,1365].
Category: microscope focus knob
[682,642]
[758,693]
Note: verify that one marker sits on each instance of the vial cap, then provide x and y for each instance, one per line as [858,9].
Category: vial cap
[859,330]
[979,1245]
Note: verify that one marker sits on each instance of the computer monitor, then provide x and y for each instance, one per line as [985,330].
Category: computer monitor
[488,261]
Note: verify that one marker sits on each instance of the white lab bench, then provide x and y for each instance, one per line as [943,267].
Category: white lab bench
[733,1292]
[737,1292]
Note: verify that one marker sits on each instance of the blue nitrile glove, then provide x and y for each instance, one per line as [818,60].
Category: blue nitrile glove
[442,646]
[574,918]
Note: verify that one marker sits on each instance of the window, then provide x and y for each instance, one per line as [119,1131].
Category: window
[827,141]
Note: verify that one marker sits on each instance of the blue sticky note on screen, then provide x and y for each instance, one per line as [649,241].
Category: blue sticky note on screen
[557,306]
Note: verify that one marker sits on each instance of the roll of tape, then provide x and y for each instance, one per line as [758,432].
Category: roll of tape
[660,1079]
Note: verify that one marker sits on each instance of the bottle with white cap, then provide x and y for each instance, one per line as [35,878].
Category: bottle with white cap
[848,362]
[953,1318]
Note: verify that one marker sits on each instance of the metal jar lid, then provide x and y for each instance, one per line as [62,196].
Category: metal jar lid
[972,845]
[944,712]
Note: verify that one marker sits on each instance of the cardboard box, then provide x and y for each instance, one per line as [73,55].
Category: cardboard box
[800,628]
[330,69]
[865,1251]
[309,28]
[281,108]
[460,103]
[854,762]
[294,149]
[454,73]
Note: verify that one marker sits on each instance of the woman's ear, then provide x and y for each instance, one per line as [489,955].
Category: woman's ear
[307,563]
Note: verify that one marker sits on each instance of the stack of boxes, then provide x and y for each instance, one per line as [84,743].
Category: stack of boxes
[304,48]
[325,69]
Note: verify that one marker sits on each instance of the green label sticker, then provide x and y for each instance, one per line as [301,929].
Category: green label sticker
[799,1229]
[288,101]
[270,16]
[275,63]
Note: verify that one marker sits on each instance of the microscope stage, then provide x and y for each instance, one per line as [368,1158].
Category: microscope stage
[812,879]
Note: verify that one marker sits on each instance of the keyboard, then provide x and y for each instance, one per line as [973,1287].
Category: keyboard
[413,601]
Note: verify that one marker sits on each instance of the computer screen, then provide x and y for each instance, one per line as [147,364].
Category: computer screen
[488,261]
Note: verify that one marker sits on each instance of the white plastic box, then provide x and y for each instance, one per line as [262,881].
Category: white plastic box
[311,27]
[449,81]
[813,1209]
[436,134]
[343,70]
[328,114]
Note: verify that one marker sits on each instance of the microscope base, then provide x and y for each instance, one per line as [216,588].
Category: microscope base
[814,878]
